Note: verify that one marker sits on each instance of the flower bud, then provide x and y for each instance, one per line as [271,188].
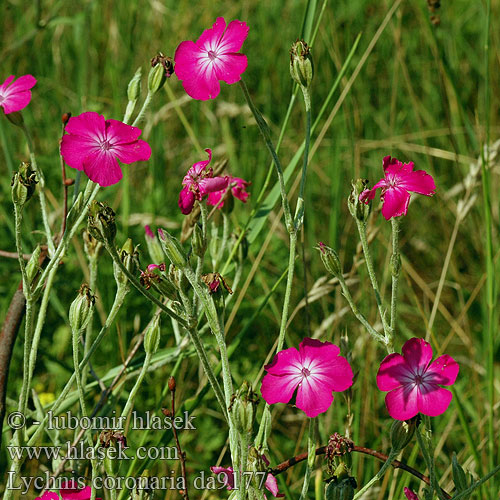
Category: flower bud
[23,184]
[93,248]
[198,242]
[152,336]
[134,86]
[81,309]
[101,222]
[16,118]
[459,477]
[173,249]
[166,62]
[402,432]
[156,78]
[301,64]
[155,277]
[33,264]
[340,489]
[130,258]
[359,210]
[171,384]
[330,259]
[154,247]
[243,408]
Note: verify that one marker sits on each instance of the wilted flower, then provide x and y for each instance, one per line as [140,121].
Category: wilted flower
[16,94]
[95,145]
[413,381]
[236,186]
[315,370]
[410,495]
[199,182]
[399,181]
[212,58]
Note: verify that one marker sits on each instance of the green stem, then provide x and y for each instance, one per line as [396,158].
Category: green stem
[311,456]
[89,329]
[242,483]
[395,271]
[145,106]
[373,277]
[41,191]
[137,385]
[466,494]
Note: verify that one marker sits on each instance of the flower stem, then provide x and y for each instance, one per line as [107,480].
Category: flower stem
[137,385]
[395,271]
[311,456]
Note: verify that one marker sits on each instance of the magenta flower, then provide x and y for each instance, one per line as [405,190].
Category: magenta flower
[16,95]
[315,370]
[70,491]
[213,57]
[409,494]
[95,145]
[49,495]
[238,188]
[227,478]
[413,381]
[399,181]
[199,182]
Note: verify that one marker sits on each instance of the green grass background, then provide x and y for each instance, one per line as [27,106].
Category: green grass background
[420,95]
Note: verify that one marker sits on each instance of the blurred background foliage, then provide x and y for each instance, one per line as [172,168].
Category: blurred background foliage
[419,96]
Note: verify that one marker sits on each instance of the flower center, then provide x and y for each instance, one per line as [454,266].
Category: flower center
[2,98]
[419,379]
[392,181]
[212,55]
[105,145]
[306,372]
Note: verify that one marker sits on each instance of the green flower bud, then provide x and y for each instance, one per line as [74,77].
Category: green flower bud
[340,489]
[459,477]
[130,258]
[330,259]
[154,247]
[156,78]
[265,426]
[359,210]
[81,309]
[402,432]
[198,242]
[152,336]
[33,265]
[173,249]
[23,184]
[134,86]
[301,64]
[93,248]
[101,222]
[16,118]
[243,408]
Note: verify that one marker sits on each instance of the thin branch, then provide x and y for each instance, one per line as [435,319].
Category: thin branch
[282,467]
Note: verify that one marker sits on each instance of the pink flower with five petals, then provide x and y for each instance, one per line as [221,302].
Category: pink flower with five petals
[198,183]
[314,371]
[414,382]
[399,181]
[238,188]
[212,58]
[16,94]
[95,145]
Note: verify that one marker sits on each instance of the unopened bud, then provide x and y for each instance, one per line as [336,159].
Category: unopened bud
[154,247]
[358,209]
[130,258]
[101,222]
[152,336]
[173,249]
[171,383]
[23,184]
[16,118]
[340,489]
[198,242]
[402,432]
[156,78]
[166,62]
[33,264]
[65,118]
[243,408]
[301,65]
[330,259]
[81,309]
[134,86]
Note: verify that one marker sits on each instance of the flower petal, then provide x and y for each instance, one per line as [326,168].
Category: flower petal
[234,36]
[88,124]
[5,84]
[272,485]
[410,495]
[418,182]
[22,84]
[202,86]
[212,184]
[75,148]
[445,370]
[120,133]
[417,353]
[314,396]
[186,201]
[135,151]
[279,389]
[214,198]
[312,350]
[226,476]
[102,168]
[16,101]
[210,38]
[393,372]
[48,495]
[433,400]
[396,202]
[229,67]
[285,362]
[402,402]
